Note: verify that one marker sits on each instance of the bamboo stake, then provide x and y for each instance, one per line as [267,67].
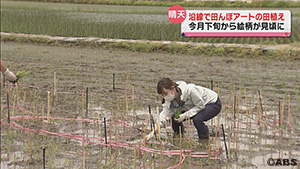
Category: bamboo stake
[266,117]
[43,116]
[250,105]
[8,113]
[23,111]
[144,133]
[87,102]
[158,123]
[208,151]
[259,109]
[109,127]
[38,116]
[33,106]
[13,108]
[218,136]
[180,144]
[99,126]
[279,110]
[82,104]
[134,156]
[216,131]
[133,110]
[83,159]
[54,85]
[166,137]
[290,115]
[30,100]
[229,142]
[172,140]
[123,120]
[116,126]
[281,121]
[30,150]
[237,133]
[247,112]
[274,120]
[48,111]
[161,155]
[126,102]
[51,97]
[17,95]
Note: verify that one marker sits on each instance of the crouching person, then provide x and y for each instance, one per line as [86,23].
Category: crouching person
[192,102]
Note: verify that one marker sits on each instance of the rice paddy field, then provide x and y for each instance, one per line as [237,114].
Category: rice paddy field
[91,107]
[60,105]
[111,21]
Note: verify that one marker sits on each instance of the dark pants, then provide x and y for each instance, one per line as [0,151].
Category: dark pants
[210,111]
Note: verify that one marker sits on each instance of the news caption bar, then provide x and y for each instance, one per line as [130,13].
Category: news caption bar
[241,23]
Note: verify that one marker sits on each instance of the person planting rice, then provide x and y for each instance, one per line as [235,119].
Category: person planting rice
[182,101]
[10,76]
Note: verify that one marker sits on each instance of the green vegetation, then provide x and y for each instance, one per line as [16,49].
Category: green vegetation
[21,74]
[147,47]
[90,21]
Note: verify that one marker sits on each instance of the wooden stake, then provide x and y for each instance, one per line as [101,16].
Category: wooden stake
[290,115]
[224,141]
[54,85]
[30,150]
[86,102]
[172,140]
[109,127]
[237,133]
[82,104]
[166,139]
[208,151]
[116,126]
[38,116]
[247,112]
[99,126]
[48,111]
[229,142]
[134,156]
[259,109]
[180,144]
[114,81]
[105,130]
[17,95]
[83,159]
[126,102]
[266,117]
[44,157]
[33,106]
[13,108]
[23,111]
[8,113]
[43,116]
[281,120]
[133,110]
[144,133]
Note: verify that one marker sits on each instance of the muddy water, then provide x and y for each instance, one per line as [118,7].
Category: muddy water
[78,68]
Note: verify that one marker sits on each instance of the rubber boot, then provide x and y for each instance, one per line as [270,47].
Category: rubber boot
[203,141]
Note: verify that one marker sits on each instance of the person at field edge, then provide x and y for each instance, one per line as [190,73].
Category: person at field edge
[192,101]
[10,76]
